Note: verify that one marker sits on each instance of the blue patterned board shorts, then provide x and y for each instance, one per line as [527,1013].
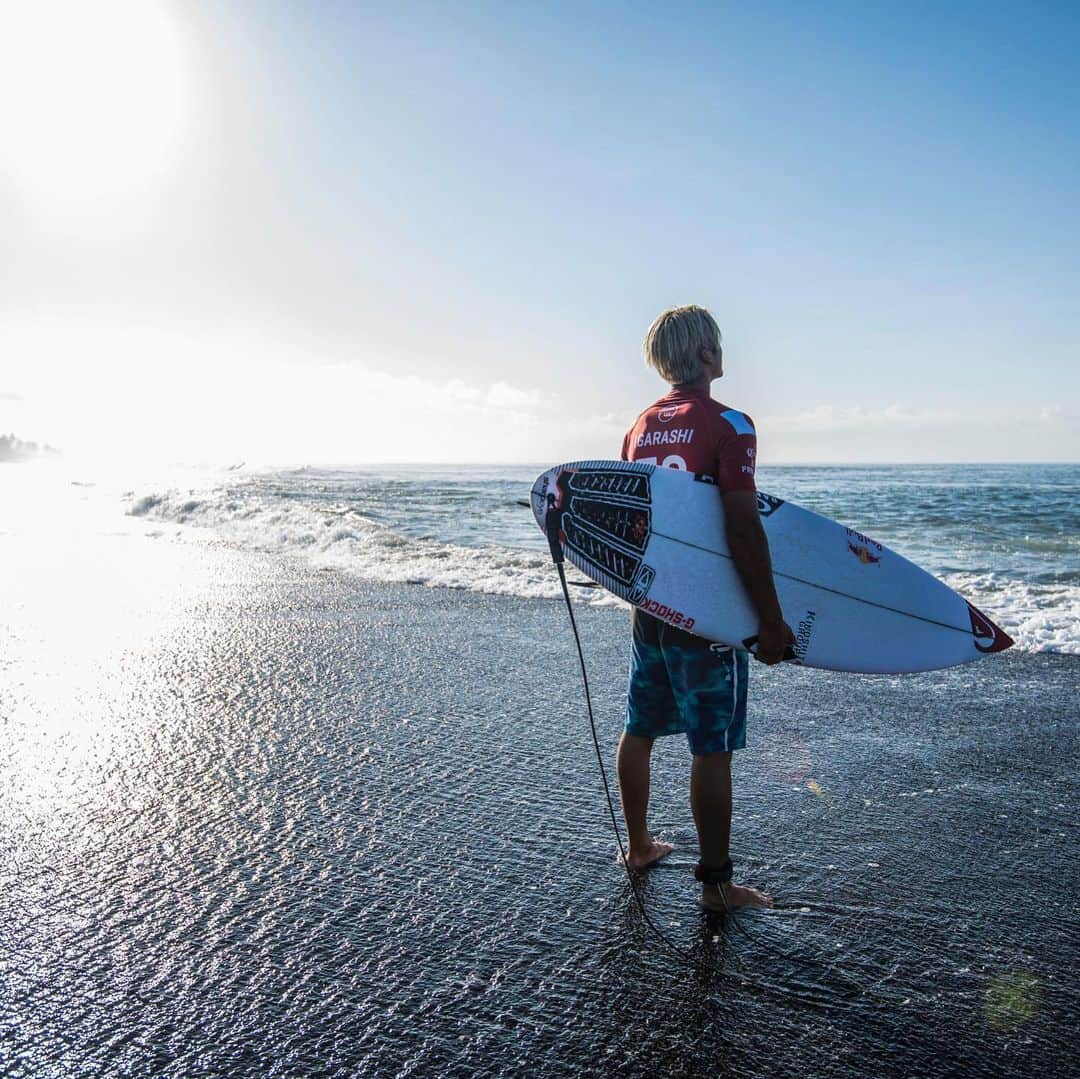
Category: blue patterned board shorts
[681,685]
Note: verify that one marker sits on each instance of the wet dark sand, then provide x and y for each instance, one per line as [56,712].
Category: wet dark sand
[313,827]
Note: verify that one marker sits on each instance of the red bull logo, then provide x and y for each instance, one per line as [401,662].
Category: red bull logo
[866,550]
[863,554]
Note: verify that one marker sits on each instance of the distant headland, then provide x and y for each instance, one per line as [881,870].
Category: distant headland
[15,449]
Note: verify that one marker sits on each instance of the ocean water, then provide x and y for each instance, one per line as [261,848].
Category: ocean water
[1007,537]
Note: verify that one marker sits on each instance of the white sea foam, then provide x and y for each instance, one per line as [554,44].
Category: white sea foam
[338,537]
[1040,617]
[328,533]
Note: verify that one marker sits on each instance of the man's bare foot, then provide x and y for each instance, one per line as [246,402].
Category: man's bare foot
[737,895]
[648,856]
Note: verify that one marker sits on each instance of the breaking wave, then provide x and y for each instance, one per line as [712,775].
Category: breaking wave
[341,538]
[334,526]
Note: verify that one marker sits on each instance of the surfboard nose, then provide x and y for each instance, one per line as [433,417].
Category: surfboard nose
[544,485]
[989,637]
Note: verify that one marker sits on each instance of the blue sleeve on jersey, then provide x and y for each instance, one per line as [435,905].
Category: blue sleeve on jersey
[739,421]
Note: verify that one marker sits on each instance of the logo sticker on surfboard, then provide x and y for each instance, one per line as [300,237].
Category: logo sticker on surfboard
[988,637]
[642,583]
[869,552]
[768,504]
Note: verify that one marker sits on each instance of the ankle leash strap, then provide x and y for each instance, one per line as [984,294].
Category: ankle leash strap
[711,874]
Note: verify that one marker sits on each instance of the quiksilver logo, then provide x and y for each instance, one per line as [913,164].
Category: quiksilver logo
[802,635]
[768,504]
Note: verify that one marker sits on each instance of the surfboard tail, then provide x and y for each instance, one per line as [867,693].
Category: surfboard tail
[989,637]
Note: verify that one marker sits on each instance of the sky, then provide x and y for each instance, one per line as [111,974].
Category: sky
[360,233]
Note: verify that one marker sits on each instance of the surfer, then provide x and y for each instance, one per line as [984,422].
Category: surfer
[679,683]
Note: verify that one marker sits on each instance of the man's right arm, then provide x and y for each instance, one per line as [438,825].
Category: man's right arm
[749,548]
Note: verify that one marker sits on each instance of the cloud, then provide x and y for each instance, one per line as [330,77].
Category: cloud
[123,393]
[150,393]
[894,433]
[1056,414]
[503,395]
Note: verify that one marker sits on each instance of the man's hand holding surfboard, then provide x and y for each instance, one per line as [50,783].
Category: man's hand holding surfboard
[750,552]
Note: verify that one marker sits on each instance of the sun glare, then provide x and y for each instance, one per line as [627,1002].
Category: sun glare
[92,95]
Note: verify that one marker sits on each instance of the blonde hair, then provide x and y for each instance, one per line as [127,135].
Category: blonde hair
[675,339]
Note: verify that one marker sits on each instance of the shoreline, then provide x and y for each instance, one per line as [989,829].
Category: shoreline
[368,815]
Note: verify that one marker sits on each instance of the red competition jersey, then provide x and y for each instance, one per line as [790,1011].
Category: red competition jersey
[687,429]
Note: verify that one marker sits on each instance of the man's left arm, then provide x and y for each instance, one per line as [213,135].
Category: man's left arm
[749,548]
[735,467]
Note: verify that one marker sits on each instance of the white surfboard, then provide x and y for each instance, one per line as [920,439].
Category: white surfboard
[655,537]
